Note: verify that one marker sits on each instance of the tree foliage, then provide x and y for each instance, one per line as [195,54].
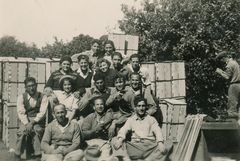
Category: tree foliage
[193,31]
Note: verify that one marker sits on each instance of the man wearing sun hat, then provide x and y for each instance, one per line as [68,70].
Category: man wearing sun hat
[232,74]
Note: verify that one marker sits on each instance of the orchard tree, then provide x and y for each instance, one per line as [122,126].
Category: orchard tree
[193,31]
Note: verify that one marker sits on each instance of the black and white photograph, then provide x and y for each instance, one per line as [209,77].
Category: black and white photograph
[119,80]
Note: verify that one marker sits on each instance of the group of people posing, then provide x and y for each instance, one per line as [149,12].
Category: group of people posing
[105,110]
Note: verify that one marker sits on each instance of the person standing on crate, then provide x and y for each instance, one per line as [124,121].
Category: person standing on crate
[31,108]
[232,73]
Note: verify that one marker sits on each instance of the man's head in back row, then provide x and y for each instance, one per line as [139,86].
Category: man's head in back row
[30,85]
[135,62]
[99,81]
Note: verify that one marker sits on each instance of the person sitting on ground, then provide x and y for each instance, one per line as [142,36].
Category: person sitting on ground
[31,109]
[99,89]
[146,142]
[65,95]
[61,139]
[120,104]
[95,127]
[118,66]
[65,69]
[109,73]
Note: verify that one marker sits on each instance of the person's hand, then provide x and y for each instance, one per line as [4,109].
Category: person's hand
[111,130]
[118,143]
[92,97]
[162,148]
[218,70]
[29,127]
[48,91]
[99,127]
[137,93]
[77,94]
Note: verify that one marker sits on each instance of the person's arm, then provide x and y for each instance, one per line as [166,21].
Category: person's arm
[225,74]
[87,130]
[82,104]
[21,111]
[43,109]
[112,97]
[75,140]
[46,140]
[50,81]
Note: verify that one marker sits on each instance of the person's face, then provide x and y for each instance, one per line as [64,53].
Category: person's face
[95,47]
[119,84]
[66,65]
[99,106]
[67,86]
[100,84]
[60,113]
[135,81]
[116,61]
[108,48]
[31,88]
[104,67]
[83,64]
[135,63]
[141,108]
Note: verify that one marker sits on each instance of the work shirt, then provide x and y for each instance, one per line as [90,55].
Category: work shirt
[233,71]
[141,128]
[92,121]
[21,110]
[57,135]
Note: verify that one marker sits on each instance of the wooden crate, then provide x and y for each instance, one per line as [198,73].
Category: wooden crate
[10,117]
[151,70]
[10,137]
[174,112]
[12,90]
[163,90]
[163,71]
[178,70]
[178,88]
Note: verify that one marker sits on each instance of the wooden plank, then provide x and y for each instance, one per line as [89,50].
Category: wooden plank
[151,70]
[163,90]
[178,88]
[13,77]
[40,87]
[163,71]
[178,70]
[132,42]
[54,66]
[11,138]
[41,73]
[22,68]
[21,89]
[11,116]
[7,71]
[33,70]
[228,125]
[164,108]
[13,92]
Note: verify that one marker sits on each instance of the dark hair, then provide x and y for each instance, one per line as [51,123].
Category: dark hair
[134,56]
[95,41]
[111,43]
[117,54]
[139,99]
[68,79]
[83,57]
[134,73]
[119,76]
[66,58]
[30,79]
[99,61]
[98,76]
[97,98]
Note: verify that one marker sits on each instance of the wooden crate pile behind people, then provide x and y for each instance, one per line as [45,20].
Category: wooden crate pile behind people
[13,73]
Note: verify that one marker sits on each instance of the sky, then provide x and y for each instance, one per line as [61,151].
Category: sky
[38,21]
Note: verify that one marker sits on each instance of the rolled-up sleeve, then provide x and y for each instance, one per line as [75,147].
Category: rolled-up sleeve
[43,109]
[157,131]
[124,130]
[21,110]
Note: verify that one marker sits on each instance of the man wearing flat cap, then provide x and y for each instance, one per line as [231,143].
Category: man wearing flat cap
[232,73]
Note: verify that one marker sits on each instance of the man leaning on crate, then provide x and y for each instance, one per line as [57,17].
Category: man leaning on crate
[31,109]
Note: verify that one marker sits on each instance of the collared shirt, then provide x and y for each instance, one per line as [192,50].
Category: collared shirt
[68,100]
[68,136]
[232,71]
[92,121]
[79,71]
[32,102]
[141,128]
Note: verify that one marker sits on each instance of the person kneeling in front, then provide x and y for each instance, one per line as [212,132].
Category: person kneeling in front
[61,139]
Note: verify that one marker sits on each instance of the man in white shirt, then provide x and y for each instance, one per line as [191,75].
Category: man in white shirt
[31,108]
